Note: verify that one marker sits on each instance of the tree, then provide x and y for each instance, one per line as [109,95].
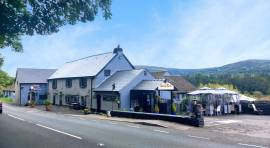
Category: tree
[44,17]
[5,80]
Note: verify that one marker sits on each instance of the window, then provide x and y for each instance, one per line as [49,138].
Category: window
[42,97]
[71,99]
[144,73]
[83,100]
[83,82]
[54,84]
[107,72]
[109,98]
[68,83]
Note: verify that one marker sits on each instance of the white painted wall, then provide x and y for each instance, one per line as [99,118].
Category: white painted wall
[125,93]
[117,64]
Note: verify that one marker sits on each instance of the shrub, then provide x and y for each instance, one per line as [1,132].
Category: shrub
[86,111]
[32,103]
[47,103]
[174,108]
[156,109]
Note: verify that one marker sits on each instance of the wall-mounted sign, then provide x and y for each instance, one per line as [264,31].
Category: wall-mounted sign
[166,86]
[34,87]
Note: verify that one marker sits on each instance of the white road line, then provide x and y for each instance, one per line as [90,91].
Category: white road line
[205,138]
[113,123]
[82,119]
[100,144]
[250,145]
[133,126]
[59,131]
[156,130]
[15,117]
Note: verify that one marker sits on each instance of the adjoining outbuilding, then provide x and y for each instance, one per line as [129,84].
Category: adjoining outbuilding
[31,84]
[152,96]
[9,92]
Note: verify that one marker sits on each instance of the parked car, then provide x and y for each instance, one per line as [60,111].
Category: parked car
[1,108]
[77,106]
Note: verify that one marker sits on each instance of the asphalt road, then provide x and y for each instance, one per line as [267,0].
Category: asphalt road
[22,127]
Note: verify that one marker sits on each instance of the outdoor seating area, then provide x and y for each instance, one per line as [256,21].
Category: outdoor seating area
[218,101]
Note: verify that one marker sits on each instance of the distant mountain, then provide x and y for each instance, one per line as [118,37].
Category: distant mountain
[247,66]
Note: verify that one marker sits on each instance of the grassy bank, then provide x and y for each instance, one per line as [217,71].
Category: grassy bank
[6,100]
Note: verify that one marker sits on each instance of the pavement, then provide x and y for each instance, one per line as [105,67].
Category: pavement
[31,127]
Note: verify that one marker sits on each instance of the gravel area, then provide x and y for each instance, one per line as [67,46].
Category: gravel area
[248,125]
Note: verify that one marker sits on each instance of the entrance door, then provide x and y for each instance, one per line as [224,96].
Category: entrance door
[54,99]
[60,101]
[98,103]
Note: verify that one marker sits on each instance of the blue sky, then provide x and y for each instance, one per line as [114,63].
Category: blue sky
[168,33]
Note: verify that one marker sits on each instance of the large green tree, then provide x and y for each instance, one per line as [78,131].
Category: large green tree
[29,17]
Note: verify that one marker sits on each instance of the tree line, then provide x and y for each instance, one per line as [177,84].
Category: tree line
[245,83]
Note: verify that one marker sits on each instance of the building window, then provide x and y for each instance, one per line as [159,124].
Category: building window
[144,73]
[83,100]
[71,99]
[54,84]
[68,83]
[42,97]
[107,72]
[83,82]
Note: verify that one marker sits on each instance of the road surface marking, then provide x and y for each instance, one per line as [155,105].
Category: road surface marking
[100,144]
[199,137]
[59,131]
[82,119]
[133,126]
[113,123]
[250,145]
[15,117]
[156,130]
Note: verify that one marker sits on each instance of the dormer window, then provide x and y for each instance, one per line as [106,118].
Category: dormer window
[144,73]
[107,72]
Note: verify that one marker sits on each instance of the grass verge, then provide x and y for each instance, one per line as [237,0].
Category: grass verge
[6,100]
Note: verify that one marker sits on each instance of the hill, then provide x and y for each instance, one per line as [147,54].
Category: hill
[242,67]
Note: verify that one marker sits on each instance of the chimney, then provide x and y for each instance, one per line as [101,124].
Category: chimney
[117,50]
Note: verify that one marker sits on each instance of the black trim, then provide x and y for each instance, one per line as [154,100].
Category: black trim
[91,96]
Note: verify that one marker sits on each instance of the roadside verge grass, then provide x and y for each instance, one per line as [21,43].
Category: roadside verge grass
[6,100]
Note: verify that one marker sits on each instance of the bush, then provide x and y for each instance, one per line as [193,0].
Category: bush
[174,108]
[156,109]
[47,103]
[32,103]
[86,111]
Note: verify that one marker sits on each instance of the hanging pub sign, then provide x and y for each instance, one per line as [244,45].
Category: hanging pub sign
[34,87]
[166,86]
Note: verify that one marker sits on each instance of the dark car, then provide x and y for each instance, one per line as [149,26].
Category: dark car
[76,106]
[1,108]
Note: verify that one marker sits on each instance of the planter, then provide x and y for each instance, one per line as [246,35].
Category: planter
[47,108]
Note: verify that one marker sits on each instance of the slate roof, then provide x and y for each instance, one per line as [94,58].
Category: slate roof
[120,79]
[85,67]
[148,85]
[180,83]
[29,75]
